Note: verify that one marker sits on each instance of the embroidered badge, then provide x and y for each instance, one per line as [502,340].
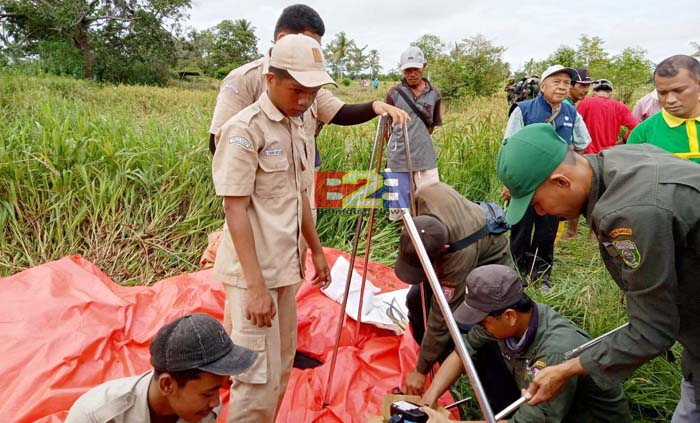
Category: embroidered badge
[240,141]
[232,88]
[532,370]
[566,118]
[273,152]
[449,292]
[629,253]
[620,232]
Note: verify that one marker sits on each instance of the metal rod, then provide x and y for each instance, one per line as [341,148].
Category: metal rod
[370,223]
[409,164]
[578,350]
[449,318]
[456,403]
[348,279]
[514,406]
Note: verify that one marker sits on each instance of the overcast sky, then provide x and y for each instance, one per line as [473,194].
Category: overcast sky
[526,29]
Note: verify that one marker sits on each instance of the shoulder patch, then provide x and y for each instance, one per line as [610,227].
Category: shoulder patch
[232,88]
[620,232]
[240,141]
[629,253]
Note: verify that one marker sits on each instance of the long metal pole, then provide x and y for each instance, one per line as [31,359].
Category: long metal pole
[449,318]
[378,147]
[578,350]
[348,279]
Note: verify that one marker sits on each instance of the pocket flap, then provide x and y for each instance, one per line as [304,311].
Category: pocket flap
[273,163]
[253,342]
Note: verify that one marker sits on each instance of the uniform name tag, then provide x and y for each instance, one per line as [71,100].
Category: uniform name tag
[272,152]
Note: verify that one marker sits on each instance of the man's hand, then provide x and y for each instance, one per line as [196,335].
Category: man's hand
[398,116]
[434,416]
[549,381]
[505,193]
[322,274]
[260,307]
[415,383]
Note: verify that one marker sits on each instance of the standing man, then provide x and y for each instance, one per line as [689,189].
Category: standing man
[620,191]
[258,169]
[604,116]
[646,106]
[676,129]
[580,85]
[530,336]
[578,91]
[244,85]
[532,239]
[417,97]
[445,217]
[192,359]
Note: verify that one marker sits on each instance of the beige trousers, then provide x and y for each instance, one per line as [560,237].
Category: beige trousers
[257,394]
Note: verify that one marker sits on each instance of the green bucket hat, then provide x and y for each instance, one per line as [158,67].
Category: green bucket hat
[526,159]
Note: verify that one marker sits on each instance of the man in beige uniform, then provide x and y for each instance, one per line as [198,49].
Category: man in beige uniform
[244,85]
[192,358]
[258,169]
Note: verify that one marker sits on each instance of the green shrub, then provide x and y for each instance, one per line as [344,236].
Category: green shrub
[346,82]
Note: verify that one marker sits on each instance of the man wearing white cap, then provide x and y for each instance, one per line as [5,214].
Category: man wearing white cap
[258,169]
[417,97]
[532,239]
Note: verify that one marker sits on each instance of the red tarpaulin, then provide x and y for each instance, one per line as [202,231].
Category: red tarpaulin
[66,327]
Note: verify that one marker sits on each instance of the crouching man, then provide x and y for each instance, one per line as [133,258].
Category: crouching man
[531,336]
[192,358]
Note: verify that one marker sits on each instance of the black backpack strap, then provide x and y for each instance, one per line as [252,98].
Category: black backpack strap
[465,242]
[412,105]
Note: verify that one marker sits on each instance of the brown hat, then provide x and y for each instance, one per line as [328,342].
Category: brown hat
[302,57]
[489,288]
[434,235]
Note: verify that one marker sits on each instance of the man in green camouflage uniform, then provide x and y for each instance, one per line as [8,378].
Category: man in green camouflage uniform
[642,204]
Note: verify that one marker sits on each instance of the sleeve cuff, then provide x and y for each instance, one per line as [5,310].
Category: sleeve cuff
[596,372]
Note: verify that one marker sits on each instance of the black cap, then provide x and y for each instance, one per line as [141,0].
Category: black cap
[489,288]
[434,235]
[582,77]
[198,341]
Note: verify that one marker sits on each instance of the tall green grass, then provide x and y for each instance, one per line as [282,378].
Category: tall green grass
[121,176]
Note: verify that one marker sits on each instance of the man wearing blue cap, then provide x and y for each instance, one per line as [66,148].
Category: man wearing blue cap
[192,358]
[641,203]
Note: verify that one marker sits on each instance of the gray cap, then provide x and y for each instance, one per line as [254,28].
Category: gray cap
[489,288]
[602,84]
[433,234]
[198,341]
[412,58]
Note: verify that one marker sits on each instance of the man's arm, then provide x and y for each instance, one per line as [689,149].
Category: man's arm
[450,370]
[322,276]
[627,119]
[581,136]
[644,265]
[260,307]
[515,122]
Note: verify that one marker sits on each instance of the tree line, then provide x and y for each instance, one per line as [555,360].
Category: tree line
[147,42]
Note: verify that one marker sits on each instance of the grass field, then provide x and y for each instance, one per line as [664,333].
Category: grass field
[121,176]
